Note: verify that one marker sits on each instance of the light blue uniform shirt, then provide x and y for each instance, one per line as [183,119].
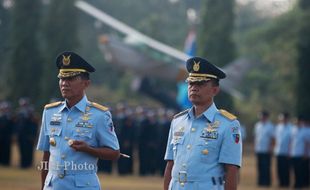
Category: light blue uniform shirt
[282,137]
[200,146]
[298,145]
[70,169]
[264,133]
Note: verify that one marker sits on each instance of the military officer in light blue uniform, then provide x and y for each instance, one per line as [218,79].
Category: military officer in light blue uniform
[75,132]
[204,147]
[264,142]
[283,134]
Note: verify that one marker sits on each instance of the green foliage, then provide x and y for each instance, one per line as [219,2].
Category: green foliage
[274,79]
[215,37]
[303,85]
[25,59]
[4,50]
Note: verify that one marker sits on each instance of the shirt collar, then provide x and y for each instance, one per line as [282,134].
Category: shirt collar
[81,105]
[209,113]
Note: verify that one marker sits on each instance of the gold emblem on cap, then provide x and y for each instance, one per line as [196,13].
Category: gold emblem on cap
[52,141]
[66,60]
[196,66]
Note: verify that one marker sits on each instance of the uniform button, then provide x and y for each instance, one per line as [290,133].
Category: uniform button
[205,152]
[184,165]
[88,183]
[189,146]
[66,138]
[182,184]
[193,129]
[63,156]
[206,143]
[69,119]
[61,176]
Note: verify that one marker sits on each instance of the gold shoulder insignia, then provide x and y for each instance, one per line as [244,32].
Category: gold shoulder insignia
[54,104]
[181,113]
[228,115]
[98,106]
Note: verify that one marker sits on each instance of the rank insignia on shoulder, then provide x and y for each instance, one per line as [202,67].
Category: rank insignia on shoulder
[228,115]
[180,114]
[98,106]
[51,105]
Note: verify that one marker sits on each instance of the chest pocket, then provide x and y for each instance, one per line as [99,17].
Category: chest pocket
[177,143]
[80,133]
[208,150]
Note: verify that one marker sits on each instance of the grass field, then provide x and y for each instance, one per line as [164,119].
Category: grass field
[13,178]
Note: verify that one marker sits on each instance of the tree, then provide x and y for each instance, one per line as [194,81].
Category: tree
[60,33]
[215,37]
[4,48]
[25,59]
[303,62]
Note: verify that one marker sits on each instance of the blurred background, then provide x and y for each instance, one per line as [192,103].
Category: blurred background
[139,50]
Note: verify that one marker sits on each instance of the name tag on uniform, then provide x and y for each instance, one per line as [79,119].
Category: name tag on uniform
[178,133]
[84,124]
[209,134]
[55,123]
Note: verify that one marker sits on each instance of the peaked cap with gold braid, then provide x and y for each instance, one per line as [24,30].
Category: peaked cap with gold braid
[201,69]
[71,64]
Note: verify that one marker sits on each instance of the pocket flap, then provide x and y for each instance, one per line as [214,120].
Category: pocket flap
[54,131]
[86,180]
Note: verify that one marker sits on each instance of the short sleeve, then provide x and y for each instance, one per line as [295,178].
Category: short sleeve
[169,147]
[43,141]
[231,150]
[105,133]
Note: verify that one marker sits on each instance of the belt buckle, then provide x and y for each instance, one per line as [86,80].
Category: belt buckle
[182,177]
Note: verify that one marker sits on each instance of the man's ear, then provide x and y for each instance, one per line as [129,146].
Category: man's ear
[87,83]
[216,90]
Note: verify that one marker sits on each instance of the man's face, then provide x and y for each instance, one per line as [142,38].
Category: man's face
[202,92]
[72,88]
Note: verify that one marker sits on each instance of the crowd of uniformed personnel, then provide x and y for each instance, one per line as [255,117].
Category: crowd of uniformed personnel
[289,143]
[19,126]
[145,130]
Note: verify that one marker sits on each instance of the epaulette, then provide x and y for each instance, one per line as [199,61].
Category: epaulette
[181,113]
[228,115]
[98,106]
[54,104]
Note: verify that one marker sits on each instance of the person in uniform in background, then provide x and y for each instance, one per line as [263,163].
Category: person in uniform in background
[264,140]
[204,148]
[298,152]
[26,126]
[75,132]
[126,139]
[6,133]
[148,144]
[281,150]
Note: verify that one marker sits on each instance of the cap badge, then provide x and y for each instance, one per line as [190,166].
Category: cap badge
[196,66]
[66,60]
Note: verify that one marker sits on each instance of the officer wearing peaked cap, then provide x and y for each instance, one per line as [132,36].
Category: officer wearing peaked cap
[75,132]
[204,146]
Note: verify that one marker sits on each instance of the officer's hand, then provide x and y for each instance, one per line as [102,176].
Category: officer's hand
[79,146]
